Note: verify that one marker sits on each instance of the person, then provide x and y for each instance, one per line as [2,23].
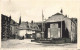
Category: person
[23,37]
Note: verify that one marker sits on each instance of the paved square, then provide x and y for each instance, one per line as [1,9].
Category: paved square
[26,43]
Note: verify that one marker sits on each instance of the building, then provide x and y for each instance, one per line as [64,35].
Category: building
[6,27]
[59,26]
[14,29]
[27,29]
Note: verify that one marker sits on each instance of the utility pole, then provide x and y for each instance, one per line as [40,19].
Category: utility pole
[42,25]
[61,22]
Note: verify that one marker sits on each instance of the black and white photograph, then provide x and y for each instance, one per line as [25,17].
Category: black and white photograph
[40,24]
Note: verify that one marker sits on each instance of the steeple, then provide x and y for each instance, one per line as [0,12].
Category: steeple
[20,20]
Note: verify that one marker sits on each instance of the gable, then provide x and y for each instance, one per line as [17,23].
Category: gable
[55,18]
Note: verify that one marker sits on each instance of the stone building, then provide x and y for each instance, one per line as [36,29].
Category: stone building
[14,29]
[26,28]
[6,27]
[59,26]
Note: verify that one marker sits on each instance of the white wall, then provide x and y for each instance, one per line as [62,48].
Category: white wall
[22,32]
[68,25]
[30,31]
[72,34]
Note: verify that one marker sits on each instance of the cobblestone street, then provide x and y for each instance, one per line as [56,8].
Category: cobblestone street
[26,43]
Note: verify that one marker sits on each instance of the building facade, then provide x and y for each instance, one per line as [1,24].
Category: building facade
[59,26]
[27,29]
[6,27]
[14,29]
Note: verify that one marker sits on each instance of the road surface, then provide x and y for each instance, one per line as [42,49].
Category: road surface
[26,43]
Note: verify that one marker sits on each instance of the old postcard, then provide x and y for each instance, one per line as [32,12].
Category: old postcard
[39,24]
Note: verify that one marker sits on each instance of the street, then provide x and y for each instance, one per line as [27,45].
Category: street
[26,43]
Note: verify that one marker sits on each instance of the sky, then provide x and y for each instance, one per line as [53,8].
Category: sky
[32,9]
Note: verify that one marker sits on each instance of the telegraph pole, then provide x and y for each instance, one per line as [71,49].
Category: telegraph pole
[61,22]
[42,25]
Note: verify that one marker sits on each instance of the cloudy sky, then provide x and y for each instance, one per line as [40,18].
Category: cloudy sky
[32,9]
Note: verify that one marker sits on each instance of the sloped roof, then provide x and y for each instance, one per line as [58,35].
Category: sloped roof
[56,18]
[74,20]
[29,26]
[22,25]
[12,22]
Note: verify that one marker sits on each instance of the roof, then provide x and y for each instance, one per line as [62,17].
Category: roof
[56,18]
[29,26]
[12,22]
[74,20]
